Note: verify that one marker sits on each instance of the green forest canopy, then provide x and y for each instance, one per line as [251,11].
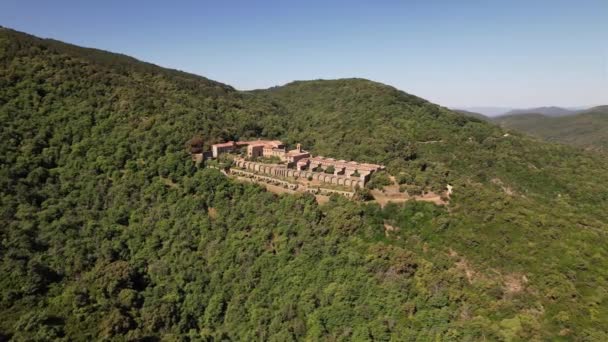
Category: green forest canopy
[109,231]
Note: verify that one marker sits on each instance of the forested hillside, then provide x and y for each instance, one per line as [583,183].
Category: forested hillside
[472,114]
[108,231]
[587,129]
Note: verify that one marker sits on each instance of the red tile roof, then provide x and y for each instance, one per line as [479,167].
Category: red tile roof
[226,144]
[265,143]
[298,153]
[349,164]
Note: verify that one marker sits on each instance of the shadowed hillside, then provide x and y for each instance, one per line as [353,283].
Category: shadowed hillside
[110,232]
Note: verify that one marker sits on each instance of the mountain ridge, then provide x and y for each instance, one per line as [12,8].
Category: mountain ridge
[103,57]
[584,129]
[547,111]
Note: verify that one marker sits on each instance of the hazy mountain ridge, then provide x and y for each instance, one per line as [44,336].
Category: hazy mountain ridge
[494,112]
[586,128]
[487,111]
[111,233]
[597,109]
[547,111]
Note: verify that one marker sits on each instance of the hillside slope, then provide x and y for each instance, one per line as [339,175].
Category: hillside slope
[109,231]
[472,114]
[588,129]
[360,119]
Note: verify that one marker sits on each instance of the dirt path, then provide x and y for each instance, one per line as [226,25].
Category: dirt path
[429,142]
[383,198]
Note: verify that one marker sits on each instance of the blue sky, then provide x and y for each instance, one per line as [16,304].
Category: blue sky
[455,53]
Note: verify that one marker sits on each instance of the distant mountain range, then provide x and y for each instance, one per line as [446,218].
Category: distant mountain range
[486,111]
[547,111]
[500,111]
[586,128]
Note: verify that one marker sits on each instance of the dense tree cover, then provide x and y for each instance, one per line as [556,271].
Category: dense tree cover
[109,231]
[472,114]
[587,129]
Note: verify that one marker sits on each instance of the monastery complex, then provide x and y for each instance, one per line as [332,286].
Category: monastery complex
[295,163]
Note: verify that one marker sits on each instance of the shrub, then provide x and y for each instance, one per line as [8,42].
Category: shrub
[379,180]
[363,194]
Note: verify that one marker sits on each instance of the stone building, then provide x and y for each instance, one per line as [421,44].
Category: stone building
[217,149]
[300,160]
[340,167]
[262,148]
[281,171]
[294,156]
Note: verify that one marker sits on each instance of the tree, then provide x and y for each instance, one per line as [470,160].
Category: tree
[196,144]
[363,194]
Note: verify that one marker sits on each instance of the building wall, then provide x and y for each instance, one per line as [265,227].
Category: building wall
[296,158]
[217,150]
[255,151]
[274,152]
[285,172]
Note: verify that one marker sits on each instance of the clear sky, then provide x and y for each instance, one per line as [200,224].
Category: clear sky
[508,53]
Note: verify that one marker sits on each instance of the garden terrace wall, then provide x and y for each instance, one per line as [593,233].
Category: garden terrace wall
[282,171]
